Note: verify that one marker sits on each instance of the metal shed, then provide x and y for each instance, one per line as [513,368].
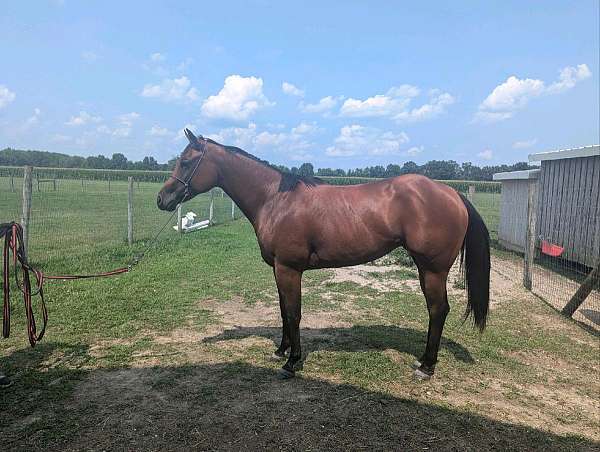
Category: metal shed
[568,203]
[513,208]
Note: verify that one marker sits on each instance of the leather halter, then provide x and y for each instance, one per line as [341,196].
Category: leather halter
[186,182]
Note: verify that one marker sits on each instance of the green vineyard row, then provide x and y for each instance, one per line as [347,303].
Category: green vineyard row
[161,176]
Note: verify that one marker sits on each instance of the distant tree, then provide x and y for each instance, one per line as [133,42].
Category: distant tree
[306,169]
[149,163]
[410,167]
[393,170]
[119,161]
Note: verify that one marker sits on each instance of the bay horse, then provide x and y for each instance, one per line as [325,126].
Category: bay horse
[303,223]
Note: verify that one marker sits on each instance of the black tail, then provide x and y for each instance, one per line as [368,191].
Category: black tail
[475,255]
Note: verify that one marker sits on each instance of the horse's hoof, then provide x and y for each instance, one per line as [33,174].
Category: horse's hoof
[285,374]
[276,357]
[416,364]
[422,376]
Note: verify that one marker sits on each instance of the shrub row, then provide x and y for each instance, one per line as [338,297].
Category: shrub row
[87,174]
[161,176]
[459,185]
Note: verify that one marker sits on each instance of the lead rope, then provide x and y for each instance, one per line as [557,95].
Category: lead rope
[13,243]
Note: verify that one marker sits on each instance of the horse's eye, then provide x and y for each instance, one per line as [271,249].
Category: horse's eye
[185,163]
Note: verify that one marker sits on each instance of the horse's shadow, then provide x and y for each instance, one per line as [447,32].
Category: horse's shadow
[354,339]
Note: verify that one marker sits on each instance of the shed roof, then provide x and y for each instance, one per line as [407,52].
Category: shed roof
[585,151]
[514,175]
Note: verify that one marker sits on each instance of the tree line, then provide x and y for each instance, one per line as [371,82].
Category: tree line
[44,159]
[435,169]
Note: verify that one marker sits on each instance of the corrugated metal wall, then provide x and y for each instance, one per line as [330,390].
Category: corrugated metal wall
[569,207]
[513,214]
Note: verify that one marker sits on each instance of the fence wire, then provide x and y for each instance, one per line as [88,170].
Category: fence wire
[81,226]
[568,235]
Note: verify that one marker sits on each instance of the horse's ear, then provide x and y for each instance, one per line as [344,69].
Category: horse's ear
[191,137]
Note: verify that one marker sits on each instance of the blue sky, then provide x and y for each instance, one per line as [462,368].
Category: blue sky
[347,84]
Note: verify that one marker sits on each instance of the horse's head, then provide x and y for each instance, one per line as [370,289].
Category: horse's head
[194,173]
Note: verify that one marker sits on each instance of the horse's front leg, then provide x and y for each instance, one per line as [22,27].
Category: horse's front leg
[289,283]
[279,354]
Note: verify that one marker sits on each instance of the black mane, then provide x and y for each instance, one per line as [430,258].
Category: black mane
[289,181]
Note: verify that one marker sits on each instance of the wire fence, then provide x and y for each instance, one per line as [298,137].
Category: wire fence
[68,216]
[81,226]
[567,237]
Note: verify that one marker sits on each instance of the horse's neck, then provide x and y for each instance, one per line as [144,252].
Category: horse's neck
[249,183]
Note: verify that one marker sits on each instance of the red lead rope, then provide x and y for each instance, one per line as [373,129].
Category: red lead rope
[13,242]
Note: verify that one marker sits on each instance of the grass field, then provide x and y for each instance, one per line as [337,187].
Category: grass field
[175,355]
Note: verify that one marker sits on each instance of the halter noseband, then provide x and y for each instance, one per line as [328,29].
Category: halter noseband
[186,183]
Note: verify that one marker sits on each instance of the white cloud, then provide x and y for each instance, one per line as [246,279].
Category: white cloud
[158,131]
[415,150]
[305,128]
[6,96]
[291,90]
[486,154]
[435,107]
[359,140]
[125,124]
[295,142]
[89,57]
[123,127]
[82,119]
[239,99]
[33,119]
[524,144]
[172,90]
[393,102]
[185,64]
[515,93]
[325,105]
[568,78]
[127,119]
[157,57]
[59,138]
[242,137]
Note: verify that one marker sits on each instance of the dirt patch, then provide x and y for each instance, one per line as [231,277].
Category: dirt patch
[533,405]
[505,282]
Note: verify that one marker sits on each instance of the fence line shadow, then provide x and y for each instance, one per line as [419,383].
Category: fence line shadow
[353,339]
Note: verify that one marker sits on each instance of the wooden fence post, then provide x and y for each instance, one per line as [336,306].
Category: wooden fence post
[471,192]
[530,237]
[27,185]
[179,229]
[130,211]
[211,207]
[592,280]
[12,182]
[232,210]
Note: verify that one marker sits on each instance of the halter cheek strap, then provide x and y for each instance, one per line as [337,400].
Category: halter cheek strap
[186,182]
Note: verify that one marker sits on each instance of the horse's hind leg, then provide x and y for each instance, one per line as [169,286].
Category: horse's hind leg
[434,288]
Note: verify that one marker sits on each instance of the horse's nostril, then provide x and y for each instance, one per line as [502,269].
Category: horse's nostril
[158,200]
